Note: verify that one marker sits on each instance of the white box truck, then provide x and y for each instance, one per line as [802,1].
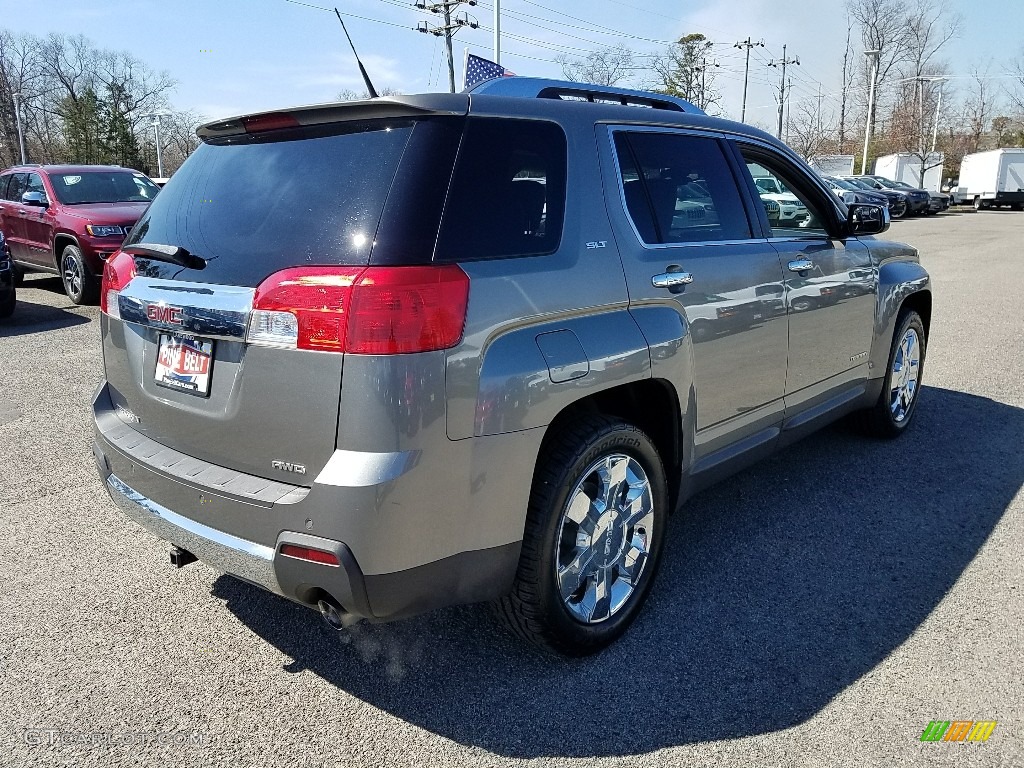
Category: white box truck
[906,167]
[832,165]
[991,179]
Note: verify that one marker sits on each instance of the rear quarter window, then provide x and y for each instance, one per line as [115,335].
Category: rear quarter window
[507,196]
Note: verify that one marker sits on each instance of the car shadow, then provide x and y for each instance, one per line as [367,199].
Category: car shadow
[30,317]
[780,588]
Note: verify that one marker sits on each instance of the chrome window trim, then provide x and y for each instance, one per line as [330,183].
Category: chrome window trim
[610,129]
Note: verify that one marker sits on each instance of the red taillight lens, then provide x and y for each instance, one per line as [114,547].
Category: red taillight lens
[118,271]
[317,298]
[407,309]
[312,555]
[369,311]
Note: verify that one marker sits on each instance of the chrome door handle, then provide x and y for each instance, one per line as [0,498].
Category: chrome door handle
[671,279]
[800,265]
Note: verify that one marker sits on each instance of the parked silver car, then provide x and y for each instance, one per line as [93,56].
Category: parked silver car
[390,355]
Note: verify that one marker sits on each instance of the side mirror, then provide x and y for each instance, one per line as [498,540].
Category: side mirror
[37,199]
[867,219]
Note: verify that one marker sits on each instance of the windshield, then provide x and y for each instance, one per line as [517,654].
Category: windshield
[885,182]
[858,184]
[842,184]
[103,187]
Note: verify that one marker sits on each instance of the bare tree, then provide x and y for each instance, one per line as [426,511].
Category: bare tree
[883,28]
[607,66]
[1015,92]
[808,134]
[930,26]
[848,74]
[978,109]
[349,95]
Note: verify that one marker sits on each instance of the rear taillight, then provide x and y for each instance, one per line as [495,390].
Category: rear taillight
[118,271]
[369,311]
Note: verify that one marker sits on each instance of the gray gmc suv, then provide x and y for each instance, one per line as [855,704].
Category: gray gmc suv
[386,356]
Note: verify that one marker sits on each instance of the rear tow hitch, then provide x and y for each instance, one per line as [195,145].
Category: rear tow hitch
[181,557]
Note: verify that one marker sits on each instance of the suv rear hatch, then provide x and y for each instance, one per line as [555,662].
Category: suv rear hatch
[216,340]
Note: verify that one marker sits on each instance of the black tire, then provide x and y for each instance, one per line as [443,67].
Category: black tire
[801,304]
[899,212]
[19,274]
[80,284]
[979,204]
[881,420]
[7,307]
[535,609]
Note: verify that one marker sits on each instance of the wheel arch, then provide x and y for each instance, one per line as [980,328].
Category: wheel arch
[651,405]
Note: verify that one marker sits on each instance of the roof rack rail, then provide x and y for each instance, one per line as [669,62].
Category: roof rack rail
[541,88]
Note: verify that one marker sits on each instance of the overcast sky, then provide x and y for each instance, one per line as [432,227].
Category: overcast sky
[236,56]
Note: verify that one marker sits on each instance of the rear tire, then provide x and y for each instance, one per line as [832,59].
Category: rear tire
[594,533]
[897,402]
[79,283]
[7,307]
[979,204]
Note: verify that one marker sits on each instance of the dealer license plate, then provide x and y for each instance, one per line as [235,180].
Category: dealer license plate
[184,363]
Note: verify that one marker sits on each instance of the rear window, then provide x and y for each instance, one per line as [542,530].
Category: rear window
[256,204]
[508,192]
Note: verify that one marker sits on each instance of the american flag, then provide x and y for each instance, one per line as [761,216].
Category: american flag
[479,69]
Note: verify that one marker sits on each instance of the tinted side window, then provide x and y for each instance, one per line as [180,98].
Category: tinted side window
[507,196]
[35,183]
[679,188]
[3,186]
[18,185]
[792,212]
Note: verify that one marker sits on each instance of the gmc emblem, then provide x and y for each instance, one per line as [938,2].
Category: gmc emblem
[163,314]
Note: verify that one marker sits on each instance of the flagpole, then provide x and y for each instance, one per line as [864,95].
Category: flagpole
[465,66]
[497,31]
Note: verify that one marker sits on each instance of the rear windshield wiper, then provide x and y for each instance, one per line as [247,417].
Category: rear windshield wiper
[174,254]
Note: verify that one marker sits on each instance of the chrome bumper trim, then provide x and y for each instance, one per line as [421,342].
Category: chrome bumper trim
[222,551]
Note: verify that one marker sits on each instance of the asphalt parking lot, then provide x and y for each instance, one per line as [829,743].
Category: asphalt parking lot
[817,610]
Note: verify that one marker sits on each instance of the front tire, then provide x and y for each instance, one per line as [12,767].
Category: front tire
[894,411]
[594,533]
[900,211]
[79,283]
[7,307]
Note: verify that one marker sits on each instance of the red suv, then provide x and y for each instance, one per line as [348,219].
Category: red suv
[67,219]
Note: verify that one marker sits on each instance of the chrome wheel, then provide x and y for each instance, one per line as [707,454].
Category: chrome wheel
[906,366]
[71,271]
[604,538]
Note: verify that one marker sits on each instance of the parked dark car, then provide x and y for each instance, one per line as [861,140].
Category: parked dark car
[543,344]
[68,219]
[8,292]
[919,200]
[899,201]
[897,204]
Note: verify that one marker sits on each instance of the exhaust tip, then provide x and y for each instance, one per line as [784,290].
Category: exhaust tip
[335,616]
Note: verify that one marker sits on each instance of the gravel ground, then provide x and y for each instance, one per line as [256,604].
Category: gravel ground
[817,610]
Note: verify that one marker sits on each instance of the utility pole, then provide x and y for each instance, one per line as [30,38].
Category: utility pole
[21,134]
[703,101]
[782,83]
[748,44]
[789,99]
[452,24]
[873,55]
[938,106]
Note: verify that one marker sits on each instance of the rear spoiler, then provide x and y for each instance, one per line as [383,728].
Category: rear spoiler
[320,114]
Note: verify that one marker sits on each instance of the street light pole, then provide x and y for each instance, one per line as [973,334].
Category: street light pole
[873,55]
[159,153]
[21,133]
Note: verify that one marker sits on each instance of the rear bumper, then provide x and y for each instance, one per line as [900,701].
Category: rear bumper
[245,559]
[171,496]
